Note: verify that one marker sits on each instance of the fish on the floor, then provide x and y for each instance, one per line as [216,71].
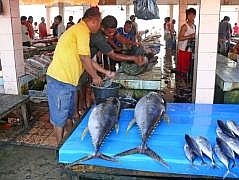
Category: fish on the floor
[224,159]
[195,147]
[149,111]
[225,128]
[233,127]
[206,148]
[127,102]
[103,118]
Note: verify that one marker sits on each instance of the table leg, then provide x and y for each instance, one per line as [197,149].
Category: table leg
[24,114]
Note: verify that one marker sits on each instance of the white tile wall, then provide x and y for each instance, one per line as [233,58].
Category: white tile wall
[17,41]
[9,74]
[205,79]
[207,61]
[7,59]
[210,7]
[204,96]
[208,24]
[16,23]
[5,25]
[14,5]
[207,42]
[6,42]
[10,87]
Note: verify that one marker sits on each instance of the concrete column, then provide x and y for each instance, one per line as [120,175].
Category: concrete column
[171,11]
[182,12]
[61,10]
[48,23]
[85,7]
[238,15]
[11,51]
[127,11]
[206,57]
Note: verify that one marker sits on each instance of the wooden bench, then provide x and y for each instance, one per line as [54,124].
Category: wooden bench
[8,103]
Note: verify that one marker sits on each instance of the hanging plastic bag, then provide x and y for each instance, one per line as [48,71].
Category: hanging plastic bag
[146,9]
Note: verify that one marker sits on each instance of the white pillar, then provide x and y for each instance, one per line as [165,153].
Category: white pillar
[11,51]
[182,12]
[48,19]
[61,11]
[171,11]
[127,11]
[205,66]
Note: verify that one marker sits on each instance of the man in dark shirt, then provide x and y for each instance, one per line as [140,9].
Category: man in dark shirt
[99,44]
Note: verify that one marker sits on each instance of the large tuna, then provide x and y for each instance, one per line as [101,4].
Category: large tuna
[103,118]
[149,110]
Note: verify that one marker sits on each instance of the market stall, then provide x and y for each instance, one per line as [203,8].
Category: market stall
[167,140]
[227,81]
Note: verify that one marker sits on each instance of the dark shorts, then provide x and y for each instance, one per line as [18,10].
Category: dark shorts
[61,101]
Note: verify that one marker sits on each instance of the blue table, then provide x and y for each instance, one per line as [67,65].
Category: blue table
[167,140]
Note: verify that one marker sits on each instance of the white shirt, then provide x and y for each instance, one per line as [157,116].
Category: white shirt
[183,44]
[60,29]
[25,36]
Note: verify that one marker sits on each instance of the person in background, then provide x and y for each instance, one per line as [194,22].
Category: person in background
[99,45]
[60,26]
[35,28]
[134,27]
[26,41]
[54,27]
[126,32]
[235,30]
[224,36]
[71,57]
[186,45]
[173,34]
[30,27]
[167,33]
[70,23]
[42,28]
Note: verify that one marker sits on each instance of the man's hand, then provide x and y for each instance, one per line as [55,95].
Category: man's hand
[97,80]
[139,60]
[111,74]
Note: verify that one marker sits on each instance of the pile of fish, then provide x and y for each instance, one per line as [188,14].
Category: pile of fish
[226,147]
[149,111]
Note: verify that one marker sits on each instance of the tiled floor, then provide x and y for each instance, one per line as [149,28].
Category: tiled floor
[41,132]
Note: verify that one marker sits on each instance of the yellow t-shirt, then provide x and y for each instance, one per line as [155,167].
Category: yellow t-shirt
[66,65]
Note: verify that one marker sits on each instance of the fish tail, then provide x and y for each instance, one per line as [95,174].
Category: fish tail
[149,152]
[143,150]
[85,158]
[229,172]
[105,157]
[128,152]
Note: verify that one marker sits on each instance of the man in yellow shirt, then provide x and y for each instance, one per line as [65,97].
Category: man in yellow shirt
[71,57]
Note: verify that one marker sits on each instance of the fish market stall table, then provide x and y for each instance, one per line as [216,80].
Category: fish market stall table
[140,84]
[9,102]
[167,141]
[227,81]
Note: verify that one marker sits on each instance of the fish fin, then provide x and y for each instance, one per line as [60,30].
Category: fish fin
[84,133]
[105,157]
[149,152]
[117,128]
[131,123]
[85,158]
[166,118]
[128,152]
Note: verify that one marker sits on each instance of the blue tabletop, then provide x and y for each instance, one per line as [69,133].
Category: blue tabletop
[167,140]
